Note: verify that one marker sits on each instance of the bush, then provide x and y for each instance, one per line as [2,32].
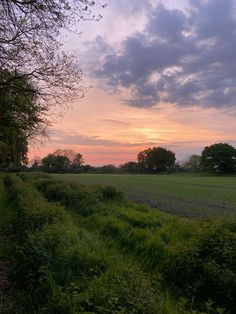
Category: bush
[78,196]
[109,193]
[206,268]
[70,195]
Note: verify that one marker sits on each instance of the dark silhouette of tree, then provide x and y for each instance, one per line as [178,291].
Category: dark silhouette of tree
[55,163]
[155,159]
[108,169]
[193,163]
[63,160]
[219,158]
[88,168]
[130,166]
[21,118]
[77,162]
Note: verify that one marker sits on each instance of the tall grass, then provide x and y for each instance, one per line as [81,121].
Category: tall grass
[61,267]
[195,259]
[84,249]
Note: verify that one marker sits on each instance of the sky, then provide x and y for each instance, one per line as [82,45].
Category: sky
[163,73]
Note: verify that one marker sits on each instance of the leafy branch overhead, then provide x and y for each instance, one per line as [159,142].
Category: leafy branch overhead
[36,74]
[30,44]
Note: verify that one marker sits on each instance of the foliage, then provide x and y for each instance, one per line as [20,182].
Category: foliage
[193,164]
[118,258]
[88,168]
[110,193]
[212,256]
[78,196]
[155,159]
[35,73]
[53,163]
[198,258]
[108,169]
[77,162]
[61,268]
[219,158]
[30,44]
[76,159]
[41,233]
[63,161]
[130,166]
[20,118]
[176,168]
[197,261]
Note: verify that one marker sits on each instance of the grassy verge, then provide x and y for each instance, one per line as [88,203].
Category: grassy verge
[80,249]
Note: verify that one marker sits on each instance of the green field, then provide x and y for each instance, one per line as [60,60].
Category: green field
[67,248]
[183,195]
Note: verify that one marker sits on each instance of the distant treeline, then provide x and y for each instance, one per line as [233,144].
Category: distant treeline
[217,158]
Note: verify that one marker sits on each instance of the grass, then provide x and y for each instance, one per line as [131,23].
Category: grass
[85,249]
[184,195]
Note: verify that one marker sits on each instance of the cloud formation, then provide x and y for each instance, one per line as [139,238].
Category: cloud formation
[186,58]
[71,137]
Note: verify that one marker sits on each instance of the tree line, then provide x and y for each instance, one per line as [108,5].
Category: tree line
[217,158]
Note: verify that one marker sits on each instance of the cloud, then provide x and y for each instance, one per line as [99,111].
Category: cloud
[116,122]
[185,58]
[59,137]
[71,137]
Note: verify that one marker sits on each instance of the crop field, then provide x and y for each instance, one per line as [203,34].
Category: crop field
[183,195]
[67,248]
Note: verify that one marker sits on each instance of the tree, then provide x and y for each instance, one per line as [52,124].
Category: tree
[130,166]
[55,163]
[88,168]
[30,44]
[35,72]
[193,163]
[108,169]
[21,118]
[156,159]
[77,162]
[219,158]
[63,160]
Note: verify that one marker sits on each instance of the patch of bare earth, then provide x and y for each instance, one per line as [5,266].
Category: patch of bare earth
[177,206]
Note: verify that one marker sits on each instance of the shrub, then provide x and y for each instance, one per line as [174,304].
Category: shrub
[109,193]
[78,196]
[70,195]
[206,269]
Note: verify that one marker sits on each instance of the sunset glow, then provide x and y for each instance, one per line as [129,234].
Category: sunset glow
[127,110]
